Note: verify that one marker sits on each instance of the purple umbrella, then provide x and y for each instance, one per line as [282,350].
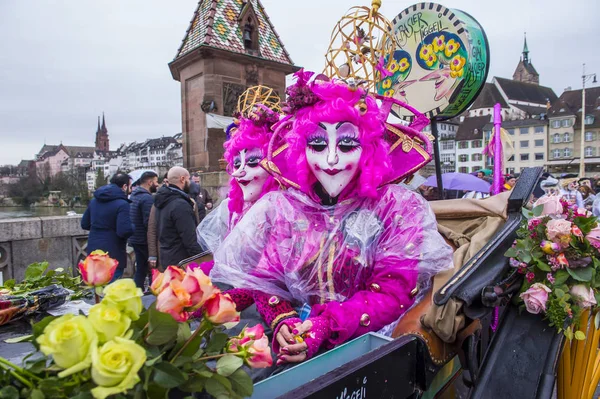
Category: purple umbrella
[460,181]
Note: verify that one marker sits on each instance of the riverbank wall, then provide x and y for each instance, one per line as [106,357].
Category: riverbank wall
[59,240]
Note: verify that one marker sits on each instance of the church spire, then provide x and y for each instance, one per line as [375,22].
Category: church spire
[104,124]
[525,49]
[97,130]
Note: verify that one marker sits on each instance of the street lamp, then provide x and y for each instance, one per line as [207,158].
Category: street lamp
[584,78]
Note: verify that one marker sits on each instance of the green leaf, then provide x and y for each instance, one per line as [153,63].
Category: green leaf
[37,394]
[35,270]
[9,393]
[193,346]
[18,339]
[543,266]
[227,365]
[153,361]
[10,284]
[579,335]
[182,360]
[168,376]
[537,211]
[183,332]
[218,386]
[584,274]
[217,342]
[162,327]
[194,384]
[510,252]
[559,293]
[561,277]
[155,391]
[241,383]
[526,212]
[202,369]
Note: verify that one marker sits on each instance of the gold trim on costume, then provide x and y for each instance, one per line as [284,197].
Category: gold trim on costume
[330,270]
[282,316]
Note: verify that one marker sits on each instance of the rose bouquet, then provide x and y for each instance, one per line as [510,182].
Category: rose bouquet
[121,350]
[557,251]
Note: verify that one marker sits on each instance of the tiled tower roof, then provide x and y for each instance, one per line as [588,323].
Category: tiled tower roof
[216,23]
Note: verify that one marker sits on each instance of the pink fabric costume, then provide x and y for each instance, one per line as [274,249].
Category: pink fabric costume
[354,258]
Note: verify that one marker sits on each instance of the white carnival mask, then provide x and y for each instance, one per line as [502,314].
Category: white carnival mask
[333,152]
[249,174]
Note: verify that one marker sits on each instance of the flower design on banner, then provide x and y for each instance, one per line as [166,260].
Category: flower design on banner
[457,66]
[386,84]
[426,52]
[451,47]
[439,43]
[403,65]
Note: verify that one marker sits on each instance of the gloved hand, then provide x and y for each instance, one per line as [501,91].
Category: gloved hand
[296,341]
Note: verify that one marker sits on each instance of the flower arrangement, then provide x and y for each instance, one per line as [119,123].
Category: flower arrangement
[123,351]
[557,250]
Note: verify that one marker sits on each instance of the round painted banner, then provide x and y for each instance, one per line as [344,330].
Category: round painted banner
[440,63]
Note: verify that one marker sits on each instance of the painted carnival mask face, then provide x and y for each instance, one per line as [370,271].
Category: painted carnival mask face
[333,152]
[249,174]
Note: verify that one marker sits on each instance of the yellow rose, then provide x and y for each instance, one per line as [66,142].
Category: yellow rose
[108,321]
[126,296]
[115,367]
[69,339]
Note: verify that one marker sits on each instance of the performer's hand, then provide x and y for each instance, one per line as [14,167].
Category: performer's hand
[209,205]
[296,350]
[152,264]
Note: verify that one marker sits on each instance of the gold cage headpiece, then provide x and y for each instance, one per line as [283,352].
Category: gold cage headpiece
[360,47]
[255,95]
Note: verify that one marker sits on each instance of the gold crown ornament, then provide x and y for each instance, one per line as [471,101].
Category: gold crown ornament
[255,95]
[360,47]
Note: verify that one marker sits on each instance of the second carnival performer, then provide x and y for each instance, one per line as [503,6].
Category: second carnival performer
[246,146]
[340,241]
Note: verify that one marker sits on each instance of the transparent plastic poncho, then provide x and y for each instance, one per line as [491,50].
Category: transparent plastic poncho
[214,227]
[293,247]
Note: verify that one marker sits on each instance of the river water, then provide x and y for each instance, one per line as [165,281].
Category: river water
[11,212]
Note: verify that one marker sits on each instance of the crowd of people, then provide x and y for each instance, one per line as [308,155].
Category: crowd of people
[157,220]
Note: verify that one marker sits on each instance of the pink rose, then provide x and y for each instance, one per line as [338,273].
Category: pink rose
[552,205]
[98,268]
[199,286]
[583,295]
[248,334]
[535,298]
[259,354]
[530,276]
[173,300]
[594,237]
[557,229]
[160,281]
[220,309]
[582,212]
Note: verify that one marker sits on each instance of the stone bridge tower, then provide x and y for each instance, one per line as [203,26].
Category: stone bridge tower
[230,45]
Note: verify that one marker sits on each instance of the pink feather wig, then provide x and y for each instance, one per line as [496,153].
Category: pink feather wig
[336,103]
[247,136]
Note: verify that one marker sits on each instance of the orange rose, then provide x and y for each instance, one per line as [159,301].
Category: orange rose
[173,300]
[220,309]
[199,286]
[98,268]
[160,281]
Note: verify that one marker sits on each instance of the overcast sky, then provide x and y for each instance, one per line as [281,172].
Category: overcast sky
[64,62]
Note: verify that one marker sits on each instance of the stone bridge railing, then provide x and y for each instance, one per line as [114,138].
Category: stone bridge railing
[56,239]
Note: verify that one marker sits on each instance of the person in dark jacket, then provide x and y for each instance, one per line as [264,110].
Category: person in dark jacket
[201,196]
[176,220]
[107,219]
[139,212]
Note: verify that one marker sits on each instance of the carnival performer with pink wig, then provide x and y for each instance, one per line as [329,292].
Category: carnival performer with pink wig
[338,239]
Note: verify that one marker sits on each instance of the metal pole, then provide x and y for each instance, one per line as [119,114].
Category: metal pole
[582,138]
[436,158]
